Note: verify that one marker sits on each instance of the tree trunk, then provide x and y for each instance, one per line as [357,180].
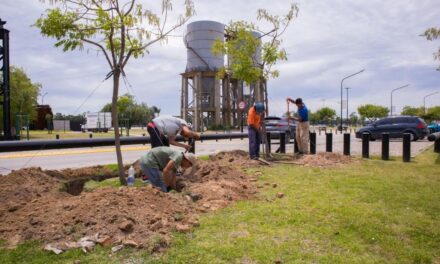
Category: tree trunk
[115,120]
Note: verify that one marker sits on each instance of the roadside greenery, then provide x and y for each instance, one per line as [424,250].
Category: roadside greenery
[372,112]
[371,211]
[24,95]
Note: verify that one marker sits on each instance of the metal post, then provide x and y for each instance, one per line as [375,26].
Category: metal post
[342,90]
[385,146]
[366,145]
[347,144]
[4,86]
[282,142]
[313,143]
[329,142]
[424,101]
[406,154]
[392,91]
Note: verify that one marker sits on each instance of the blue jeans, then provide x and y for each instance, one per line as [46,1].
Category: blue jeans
[154,176]
[254,142]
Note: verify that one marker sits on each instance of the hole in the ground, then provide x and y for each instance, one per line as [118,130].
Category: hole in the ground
[76,187]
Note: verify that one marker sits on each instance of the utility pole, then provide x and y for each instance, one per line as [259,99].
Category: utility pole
[424,101]
[348,122]
[342,81]
[392,91]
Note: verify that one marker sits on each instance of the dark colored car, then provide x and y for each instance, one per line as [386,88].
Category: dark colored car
[277,125]
[396,126]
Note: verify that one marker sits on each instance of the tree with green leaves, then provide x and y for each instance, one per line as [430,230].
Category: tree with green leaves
[372,112]
[24,95]
[138,114]
[354,118]
[242,46]
[432,114]
[433,34]
[119,29]
[325,114]
[412,111]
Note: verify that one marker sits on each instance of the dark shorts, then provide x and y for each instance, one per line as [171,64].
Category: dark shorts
[157,139]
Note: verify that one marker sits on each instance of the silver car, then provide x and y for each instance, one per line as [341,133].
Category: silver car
[275,125]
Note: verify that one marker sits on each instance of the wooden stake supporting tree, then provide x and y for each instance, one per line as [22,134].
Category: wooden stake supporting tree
[119,29]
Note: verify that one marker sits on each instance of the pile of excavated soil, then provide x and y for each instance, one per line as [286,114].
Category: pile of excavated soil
[324,159]
[37,206]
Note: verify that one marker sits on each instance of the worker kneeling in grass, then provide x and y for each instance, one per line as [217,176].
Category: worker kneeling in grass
[161,164]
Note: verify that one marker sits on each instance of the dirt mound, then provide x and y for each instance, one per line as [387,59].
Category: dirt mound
[324,159]
[39,206]
[237,158]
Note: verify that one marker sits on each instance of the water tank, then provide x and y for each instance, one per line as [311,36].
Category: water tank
[199,39]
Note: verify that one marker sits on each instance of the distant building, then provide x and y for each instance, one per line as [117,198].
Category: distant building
[40,122]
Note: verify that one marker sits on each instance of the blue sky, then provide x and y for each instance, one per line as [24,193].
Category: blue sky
[328,41]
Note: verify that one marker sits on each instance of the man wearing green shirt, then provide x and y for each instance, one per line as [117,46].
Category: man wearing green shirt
[161,163]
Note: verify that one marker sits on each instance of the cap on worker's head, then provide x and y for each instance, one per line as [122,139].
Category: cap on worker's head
[191,158]
[259,107]
[298,101]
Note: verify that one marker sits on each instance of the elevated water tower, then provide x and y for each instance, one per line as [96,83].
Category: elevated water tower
[200,89]
[205,99]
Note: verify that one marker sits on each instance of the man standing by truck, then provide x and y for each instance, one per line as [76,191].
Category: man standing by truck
[254,129]
[302,129]
[164,129]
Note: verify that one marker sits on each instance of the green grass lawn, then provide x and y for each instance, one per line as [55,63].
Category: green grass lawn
[369,212]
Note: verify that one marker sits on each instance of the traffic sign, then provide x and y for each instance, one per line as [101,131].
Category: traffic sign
[242,105]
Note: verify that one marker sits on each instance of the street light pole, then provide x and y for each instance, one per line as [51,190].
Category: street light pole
[392,91]
[342,89]
[42,97]
[348,123]
[424,101]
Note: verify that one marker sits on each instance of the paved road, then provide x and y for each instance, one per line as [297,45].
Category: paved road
[75,158]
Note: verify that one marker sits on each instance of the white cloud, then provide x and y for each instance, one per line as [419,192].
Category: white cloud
[328,41]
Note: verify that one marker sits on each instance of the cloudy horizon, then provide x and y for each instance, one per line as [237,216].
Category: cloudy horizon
[328,41]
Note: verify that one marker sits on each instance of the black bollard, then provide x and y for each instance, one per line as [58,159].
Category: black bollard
[329,142]
[269,147]
[437,146]
[90,135]
[313,143]
[347,144]
[192,143]
[57,136]
[283,142]
[385,146]
[406,154]
[366,145]
[295,146]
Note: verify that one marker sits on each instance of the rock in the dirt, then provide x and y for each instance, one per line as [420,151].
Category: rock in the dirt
[280,195]
[71,245]
[278,261]
[156,226]
[207,205]
[126,226]
[130,243]
[182,228]
[117,248]
[87,244]
[53,249]
[105,241]
[13,208]
[274,185]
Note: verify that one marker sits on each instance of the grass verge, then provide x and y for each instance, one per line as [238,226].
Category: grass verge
[369,212]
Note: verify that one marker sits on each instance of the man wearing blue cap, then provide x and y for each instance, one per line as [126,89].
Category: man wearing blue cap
[302,129]
[254,129]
